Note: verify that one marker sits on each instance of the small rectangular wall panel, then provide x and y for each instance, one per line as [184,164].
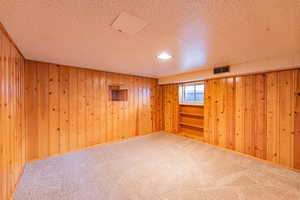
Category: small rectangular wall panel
[75,103]
[12,116]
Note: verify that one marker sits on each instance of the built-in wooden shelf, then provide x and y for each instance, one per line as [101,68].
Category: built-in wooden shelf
[198,105]
[191,120]
[191,125]
[191,114]
[192,136]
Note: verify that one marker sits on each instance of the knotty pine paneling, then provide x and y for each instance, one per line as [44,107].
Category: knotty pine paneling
[258,115]
[281,121]
[12,126]
[297,122]
[69,109]
[250,115]
[259,112]
[170,95]
[219,112]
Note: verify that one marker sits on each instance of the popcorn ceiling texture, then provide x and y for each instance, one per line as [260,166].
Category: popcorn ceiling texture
[198,33]
[157,166]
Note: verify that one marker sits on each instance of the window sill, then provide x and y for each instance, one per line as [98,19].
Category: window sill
[190,104]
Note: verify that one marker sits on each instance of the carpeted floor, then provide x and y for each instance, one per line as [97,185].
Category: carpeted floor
[157,166]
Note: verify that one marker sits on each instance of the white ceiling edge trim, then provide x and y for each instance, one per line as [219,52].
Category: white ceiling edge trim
[260,66]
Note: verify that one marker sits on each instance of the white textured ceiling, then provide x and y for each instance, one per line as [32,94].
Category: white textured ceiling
[198,33]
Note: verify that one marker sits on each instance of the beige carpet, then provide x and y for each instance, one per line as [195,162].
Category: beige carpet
[157,166]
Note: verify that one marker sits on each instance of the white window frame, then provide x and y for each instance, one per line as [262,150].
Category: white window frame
[182,94]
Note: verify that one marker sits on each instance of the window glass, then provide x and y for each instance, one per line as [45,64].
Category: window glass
[191,93]
[199,93]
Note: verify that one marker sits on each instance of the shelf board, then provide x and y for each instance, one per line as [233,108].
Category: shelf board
[191,114]
[191,125]
[186,104]
[192,136]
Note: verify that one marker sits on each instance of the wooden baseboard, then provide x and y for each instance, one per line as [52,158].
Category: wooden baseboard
[16,184]
[191,136]
[243,154]
[84,148]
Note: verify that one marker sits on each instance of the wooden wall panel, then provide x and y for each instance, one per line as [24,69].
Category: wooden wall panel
[255,114]
[64,144]
[297,122]
[249,114]
[230,110]
[273,117]
[82,139]
[31,96]
[207,111]
[239,114]
[54,112]
[74,110]
[12,116]
[258,103]
[286,115]
[90,108]
[97,103]
[218,115]
[281,119]
[104,109]
[170,108]
[42,93]
[259,112]
[73,107]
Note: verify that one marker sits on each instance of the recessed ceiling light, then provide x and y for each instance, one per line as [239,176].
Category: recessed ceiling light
[164,56]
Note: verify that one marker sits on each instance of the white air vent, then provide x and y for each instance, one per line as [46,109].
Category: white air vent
[128,24]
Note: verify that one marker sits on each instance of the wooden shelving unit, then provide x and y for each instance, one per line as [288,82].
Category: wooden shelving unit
[191,125]
[191,121]
[192,136]
[191,114]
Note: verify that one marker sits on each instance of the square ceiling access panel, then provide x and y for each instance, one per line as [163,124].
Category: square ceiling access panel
[129,24]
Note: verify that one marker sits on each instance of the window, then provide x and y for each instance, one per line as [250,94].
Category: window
[191,93]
